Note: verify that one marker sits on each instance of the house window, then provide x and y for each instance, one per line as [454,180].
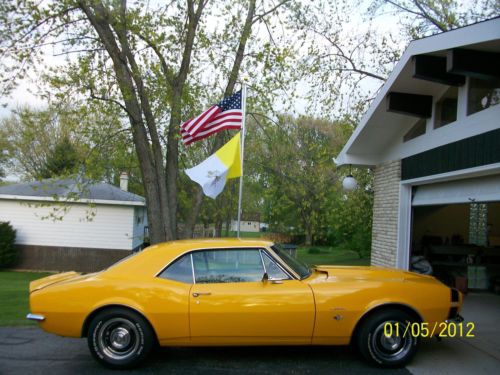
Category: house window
[482,94]
[446,108]
[416,130]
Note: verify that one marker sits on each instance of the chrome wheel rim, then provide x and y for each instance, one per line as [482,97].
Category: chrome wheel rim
[391,348]
[118,338]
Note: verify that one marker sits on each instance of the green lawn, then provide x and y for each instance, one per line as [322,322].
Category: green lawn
[14,285]
[14,303]
[246,234]
[331,255]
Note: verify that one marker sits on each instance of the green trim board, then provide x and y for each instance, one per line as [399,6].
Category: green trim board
[482,149]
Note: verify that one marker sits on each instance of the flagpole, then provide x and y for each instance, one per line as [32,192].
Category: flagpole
[243,130]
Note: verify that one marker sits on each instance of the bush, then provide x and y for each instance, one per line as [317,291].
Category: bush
[8,253]
[361,243]
[314,250]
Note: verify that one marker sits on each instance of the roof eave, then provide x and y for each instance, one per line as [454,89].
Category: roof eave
[487,30]
[67,201]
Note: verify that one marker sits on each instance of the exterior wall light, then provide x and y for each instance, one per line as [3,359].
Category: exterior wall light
[349,183]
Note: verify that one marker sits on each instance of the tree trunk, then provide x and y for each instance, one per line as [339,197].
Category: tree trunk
[159,180]
[247,29]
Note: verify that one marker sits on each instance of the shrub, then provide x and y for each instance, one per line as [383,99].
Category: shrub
[314,250]
[8,253]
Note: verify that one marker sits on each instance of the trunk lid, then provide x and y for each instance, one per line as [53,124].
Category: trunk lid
[55,279]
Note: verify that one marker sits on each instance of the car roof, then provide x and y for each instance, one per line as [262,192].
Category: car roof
[203,243]
[154,258]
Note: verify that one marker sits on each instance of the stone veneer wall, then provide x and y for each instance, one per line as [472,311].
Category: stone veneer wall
[385,214]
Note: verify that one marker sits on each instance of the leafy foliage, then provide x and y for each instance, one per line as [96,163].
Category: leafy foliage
[151,61]
[8,252]
[292,161]
[63,140]
[62,161]
[426,17]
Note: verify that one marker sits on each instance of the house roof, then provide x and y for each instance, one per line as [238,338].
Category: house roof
[70,190]
[371,142]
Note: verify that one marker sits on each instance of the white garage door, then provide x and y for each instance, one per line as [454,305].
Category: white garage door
[482,189]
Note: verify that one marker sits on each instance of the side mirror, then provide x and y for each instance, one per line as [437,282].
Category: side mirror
[265,277]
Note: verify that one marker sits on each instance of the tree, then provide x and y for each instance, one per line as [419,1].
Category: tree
[293,163]
[352,46]
[350,220]
[64,139]
[426,17]
[3,155]
[141,59]
[62,161]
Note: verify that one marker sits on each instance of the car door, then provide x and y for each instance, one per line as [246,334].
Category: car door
[230,303]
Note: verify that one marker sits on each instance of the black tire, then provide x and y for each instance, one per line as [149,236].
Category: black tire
[389,352]
[120,338]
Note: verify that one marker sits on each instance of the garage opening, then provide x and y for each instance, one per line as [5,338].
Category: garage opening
[456,231]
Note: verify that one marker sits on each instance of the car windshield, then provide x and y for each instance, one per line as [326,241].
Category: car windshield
[300,268]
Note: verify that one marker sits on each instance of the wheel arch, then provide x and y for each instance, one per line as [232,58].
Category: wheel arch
[384,307]
[94,313]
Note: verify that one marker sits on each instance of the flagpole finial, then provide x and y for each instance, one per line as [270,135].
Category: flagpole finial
[245,78]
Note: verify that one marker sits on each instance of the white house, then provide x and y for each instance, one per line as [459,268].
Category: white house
[249,223]
[432,137]
[73,225]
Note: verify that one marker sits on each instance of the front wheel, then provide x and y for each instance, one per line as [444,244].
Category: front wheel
[120,338]
[387,347]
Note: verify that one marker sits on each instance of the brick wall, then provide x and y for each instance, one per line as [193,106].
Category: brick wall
[52,258]
[385,214]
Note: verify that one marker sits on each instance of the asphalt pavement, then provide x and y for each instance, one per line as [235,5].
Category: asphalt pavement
[32,351]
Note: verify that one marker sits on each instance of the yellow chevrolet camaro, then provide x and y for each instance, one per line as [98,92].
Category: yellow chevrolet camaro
[238,292]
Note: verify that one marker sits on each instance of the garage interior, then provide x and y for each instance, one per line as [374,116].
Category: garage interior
[456,228]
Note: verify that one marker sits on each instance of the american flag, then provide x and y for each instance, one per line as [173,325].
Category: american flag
[227,114]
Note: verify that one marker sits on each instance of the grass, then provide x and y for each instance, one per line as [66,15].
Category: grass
[245,234]
[14,303]
[331,255]
[14,297]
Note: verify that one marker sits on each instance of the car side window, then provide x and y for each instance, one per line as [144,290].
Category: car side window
[273,270]
[227,266]
[180,270]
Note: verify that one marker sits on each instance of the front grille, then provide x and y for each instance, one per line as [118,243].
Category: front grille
[454,295]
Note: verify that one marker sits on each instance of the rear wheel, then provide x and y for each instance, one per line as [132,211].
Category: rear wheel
[120,338]
[384,340]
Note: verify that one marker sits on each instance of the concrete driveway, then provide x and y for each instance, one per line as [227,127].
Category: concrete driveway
[30,350]
[478,355]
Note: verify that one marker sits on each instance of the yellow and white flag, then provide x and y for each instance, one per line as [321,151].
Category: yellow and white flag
[212,173]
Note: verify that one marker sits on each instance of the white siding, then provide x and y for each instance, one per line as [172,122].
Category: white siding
[140,221]
[246,226]
[110,228]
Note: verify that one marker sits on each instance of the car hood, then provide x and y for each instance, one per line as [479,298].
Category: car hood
[335,273]
[57,279]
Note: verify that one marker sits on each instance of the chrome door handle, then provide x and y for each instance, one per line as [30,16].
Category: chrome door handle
[195,294]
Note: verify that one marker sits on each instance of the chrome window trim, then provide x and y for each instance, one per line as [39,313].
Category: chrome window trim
[262,260]
[290,277]
[267,250]
[192,267]
[171,263]
[187,251]
[259,249]
[283,264]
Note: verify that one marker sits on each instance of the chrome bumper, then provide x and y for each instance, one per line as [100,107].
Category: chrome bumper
[36,317]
